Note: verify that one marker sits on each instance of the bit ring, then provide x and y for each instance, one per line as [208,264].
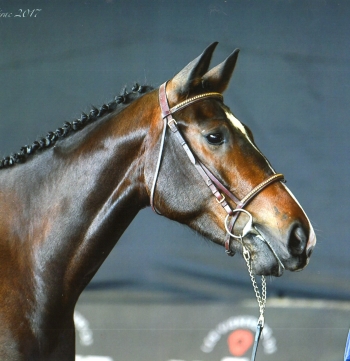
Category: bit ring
[246,229]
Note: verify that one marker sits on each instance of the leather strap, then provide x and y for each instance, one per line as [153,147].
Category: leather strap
[167,113]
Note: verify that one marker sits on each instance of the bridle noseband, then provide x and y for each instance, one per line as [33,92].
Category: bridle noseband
[217,188]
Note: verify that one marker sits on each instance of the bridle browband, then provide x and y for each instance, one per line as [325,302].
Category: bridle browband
[214,184]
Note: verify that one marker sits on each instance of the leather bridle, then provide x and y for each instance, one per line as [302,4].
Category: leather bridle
[217,188]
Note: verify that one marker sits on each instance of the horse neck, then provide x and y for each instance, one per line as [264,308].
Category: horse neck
[74,201]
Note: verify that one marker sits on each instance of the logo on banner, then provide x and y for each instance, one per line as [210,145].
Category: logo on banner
[239,333]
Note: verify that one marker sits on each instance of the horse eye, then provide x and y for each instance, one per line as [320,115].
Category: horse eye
[215,138]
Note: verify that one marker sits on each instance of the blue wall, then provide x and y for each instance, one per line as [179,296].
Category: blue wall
[291,86]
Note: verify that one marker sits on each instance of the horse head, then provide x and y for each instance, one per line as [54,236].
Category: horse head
[271,225]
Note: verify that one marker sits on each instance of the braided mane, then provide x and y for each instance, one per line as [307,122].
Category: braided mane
[68,128]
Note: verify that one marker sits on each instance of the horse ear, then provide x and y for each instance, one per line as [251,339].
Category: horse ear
[191,75]
[217,79]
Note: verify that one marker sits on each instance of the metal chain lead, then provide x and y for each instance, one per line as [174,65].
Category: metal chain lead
[261,298]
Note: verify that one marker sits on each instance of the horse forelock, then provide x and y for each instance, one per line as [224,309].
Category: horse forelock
[118,104]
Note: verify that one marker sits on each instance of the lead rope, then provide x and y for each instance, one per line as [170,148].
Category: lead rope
[261,299]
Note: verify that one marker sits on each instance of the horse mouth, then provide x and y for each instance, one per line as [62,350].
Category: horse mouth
[265,260]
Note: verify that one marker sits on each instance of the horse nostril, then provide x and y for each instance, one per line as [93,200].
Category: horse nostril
[309,251]
[297,240]
[300,234]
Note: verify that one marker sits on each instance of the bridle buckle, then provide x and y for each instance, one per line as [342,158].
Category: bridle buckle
[171,122]
[221,200]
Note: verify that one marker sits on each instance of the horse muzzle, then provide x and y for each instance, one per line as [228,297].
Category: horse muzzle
[270,256]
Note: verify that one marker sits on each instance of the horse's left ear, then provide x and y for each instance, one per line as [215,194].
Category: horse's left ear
[190,77]
[217,79]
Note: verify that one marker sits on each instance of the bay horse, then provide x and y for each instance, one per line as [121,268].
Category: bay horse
[66,199]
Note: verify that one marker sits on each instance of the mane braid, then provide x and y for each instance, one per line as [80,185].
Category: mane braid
[69,127]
